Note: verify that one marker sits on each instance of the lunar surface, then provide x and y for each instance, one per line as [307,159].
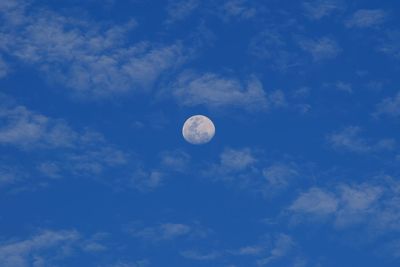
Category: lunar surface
[198,130]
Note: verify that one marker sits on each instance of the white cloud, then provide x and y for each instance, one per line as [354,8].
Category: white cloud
[283,244]
[275,46]
[345,87]
[199,256]
[180,9]
[91,59]
[315,201]
[4,68]
[168,232]
[175,160]
[232,160]
[321,48]
[350,139]
[31,252]
[374,205]
[248,170]
[76,153]
[319,9]
[238,9]
[365,18]
[389,106]
[141,263]
[390,44]
[146,181]
[279,175]
[214,91]
[23,127]
[9,175]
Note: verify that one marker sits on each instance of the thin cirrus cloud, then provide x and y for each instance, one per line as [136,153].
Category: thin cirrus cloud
[79,152]
[370,204]
[319,9]
[350,139]
[25,128]
[389,106]
[91,59]
[245,169]
[216,91]
[169,231]
[178,10]
[320,48]
[39,250]
[54,248]
[240,9]
[366,18]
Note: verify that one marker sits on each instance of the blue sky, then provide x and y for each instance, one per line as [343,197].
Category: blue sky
[303,170]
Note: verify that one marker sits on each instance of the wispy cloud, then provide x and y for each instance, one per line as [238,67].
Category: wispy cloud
[199,256]
[390,44]
[350,139]
[4,68]
[216,91]
[178,10]
[168,232]
[283,244]
[238,9]
[321,48]
[372,204]
[246,169]
[345,87]
[24,128]
[319,9]
[365,18]
[389,106]
[34,251]
[91,59]
[275,46]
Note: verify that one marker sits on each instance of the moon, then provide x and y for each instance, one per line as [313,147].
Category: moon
[198,130]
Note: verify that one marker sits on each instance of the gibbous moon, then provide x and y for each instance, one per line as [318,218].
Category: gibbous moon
[198,130]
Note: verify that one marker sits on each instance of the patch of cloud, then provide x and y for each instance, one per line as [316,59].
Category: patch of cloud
[238,9]
[280,175]
[22,127]
[177,160]
[9,175]
[321,48]
[178,10]
[315,201]
[141,263]
[4,68]
[76,153]
[349,139]
[147,180]
[250,250]
[374,205]
[34,251]
[319,9]
[274,45]
[345,87]
[199,256]
[366,18]
[168,232]
[215,91]
[389,106]
[245,169]
[283,244]
[88,58]
[286,51]
[390,44]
